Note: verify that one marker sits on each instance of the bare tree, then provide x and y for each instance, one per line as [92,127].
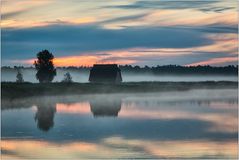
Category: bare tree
[67,78]
[19,77]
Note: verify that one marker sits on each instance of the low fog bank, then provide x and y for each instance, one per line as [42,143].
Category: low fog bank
[29,75]
[83,76]
[176,78]
[199,96]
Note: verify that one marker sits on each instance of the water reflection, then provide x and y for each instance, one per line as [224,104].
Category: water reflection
[195,124]
[105,107]
[119,148]
[45,116]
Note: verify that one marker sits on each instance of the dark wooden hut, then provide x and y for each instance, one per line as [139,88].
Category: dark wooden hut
[105,73]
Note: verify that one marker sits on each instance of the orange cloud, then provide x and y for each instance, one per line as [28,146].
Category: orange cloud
[86,60]
[66,61]
[222,43]
[34,23]
[174,17]
[75,61]
[83,60]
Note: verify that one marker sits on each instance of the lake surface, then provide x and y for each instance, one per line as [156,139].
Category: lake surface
[184,124]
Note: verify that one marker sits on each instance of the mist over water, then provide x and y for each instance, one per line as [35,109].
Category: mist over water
[83,76]
[29,75]
[176,124]
[189,124]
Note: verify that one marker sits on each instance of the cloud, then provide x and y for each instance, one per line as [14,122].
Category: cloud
[217,28]
[14,8]
[12,14]
[124,18]
[205,6]
[181,58]
[217,61]
[63,40]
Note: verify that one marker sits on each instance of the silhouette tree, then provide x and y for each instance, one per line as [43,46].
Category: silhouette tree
[19,77]
[67,78]
[45,67]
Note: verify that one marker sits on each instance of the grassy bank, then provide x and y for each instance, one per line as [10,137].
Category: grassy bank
[19,90]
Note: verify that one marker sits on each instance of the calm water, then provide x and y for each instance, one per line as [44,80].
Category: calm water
[188,124]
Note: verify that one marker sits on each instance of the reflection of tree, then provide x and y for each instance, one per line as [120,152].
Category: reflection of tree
[45,117]
[105,107]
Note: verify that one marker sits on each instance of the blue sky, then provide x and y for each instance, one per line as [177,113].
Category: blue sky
[137,32]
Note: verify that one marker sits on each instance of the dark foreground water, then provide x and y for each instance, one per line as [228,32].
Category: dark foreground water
[185,124]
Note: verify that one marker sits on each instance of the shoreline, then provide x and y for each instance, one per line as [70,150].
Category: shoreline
[12,90]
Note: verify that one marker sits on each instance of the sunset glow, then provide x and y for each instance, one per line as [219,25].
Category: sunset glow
[128,79]
[95,32]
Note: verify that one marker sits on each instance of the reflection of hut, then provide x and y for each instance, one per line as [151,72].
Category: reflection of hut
[105,73]
[45,117]
[108,108]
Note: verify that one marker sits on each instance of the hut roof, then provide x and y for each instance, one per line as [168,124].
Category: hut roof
[104,73]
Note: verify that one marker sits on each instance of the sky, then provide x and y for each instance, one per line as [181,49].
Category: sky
[134,32]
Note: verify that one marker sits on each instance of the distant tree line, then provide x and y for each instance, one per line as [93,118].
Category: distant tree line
[176,69]
[158,70]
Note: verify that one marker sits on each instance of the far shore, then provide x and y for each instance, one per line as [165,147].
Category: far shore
[11,90]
